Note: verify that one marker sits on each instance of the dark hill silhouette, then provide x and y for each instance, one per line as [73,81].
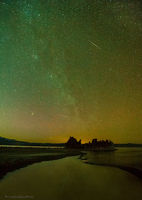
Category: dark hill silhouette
[128,145]
[6,141]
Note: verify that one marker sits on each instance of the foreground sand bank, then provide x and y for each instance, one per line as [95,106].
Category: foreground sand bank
[16,158]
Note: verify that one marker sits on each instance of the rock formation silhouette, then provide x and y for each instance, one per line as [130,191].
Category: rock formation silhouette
[94,145]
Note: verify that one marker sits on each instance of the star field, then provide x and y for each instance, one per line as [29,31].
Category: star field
[71,68]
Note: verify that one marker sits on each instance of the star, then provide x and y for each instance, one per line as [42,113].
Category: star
[32,113]
[35,56]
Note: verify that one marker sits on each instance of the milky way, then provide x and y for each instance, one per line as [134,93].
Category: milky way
[71,68]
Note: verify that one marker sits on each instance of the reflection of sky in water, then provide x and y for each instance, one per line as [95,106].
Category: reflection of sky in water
[131,157]
[70,178]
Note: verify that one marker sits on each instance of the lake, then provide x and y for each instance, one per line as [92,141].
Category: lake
[130,157]
[72,179]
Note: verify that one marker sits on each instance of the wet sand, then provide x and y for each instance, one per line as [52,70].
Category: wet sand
[129,159]
[16,158]
[124,158]
[70,178]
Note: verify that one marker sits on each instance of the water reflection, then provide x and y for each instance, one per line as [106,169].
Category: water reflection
[70,178]
[131,157]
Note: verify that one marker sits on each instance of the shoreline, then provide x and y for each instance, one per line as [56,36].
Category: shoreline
[70,178]
[13,160]
[135,171]
[16,158]
[132,170]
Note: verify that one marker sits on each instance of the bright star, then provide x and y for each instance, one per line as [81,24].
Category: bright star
[33,113]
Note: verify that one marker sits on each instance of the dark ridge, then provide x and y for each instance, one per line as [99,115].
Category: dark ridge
[6,141]
[128,145]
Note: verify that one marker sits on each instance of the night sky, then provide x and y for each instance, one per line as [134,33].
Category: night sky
[71,68]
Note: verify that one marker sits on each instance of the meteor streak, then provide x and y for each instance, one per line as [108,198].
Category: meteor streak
[94,44]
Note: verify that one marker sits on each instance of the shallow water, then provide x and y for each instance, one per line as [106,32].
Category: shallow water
[70,178]
[129,157]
